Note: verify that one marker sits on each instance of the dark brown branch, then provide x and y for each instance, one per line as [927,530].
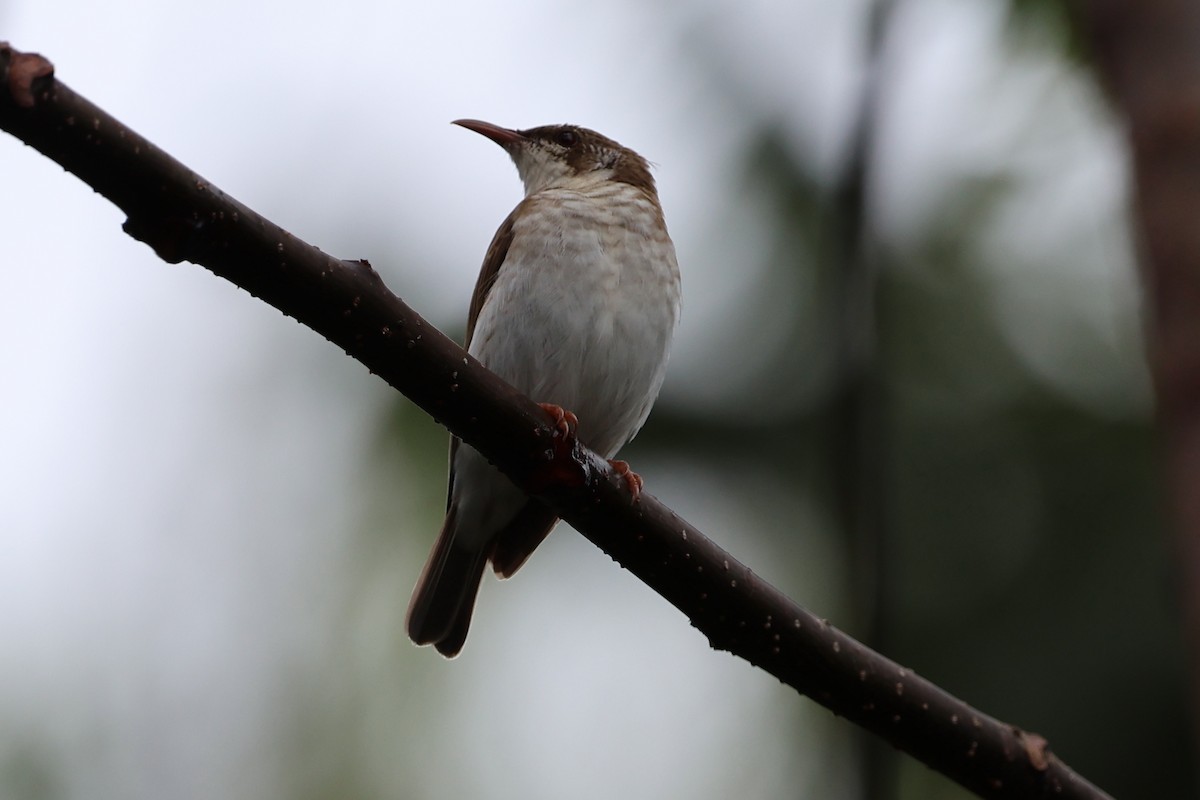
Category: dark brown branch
[1148,54]
[184,218]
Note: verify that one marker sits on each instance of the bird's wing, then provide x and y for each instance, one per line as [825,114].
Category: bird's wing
[521,536]
[492,262]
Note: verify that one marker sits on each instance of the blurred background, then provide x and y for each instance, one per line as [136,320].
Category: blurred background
[907,389]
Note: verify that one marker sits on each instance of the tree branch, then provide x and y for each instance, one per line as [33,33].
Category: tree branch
[182,217]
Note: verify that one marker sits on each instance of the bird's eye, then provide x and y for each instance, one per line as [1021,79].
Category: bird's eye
[566,137]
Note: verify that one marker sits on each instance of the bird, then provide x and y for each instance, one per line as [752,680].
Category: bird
[575,305]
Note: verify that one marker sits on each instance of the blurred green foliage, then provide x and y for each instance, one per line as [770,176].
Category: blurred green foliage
[1059,19]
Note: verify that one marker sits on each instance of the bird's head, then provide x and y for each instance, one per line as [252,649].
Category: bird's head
[566,157]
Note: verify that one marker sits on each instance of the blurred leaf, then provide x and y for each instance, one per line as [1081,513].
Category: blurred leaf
[1057,19]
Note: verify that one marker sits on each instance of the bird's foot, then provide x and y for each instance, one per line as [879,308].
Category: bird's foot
[565,465]
[565,423]
[633,481]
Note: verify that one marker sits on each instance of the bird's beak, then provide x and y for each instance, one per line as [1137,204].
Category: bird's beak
[504,137]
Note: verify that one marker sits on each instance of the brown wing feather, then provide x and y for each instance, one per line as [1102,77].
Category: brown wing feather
[520,537]
[492,261]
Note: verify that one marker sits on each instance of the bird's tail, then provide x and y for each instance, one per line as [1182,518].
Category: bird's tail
[442,602]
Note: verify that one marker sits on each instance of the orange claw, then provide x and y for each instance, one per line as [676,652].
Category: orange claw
[566,467]
[633,481]
[565,423]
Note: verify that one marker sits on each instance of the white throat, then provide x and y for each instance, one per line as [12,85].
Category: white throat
[541,170]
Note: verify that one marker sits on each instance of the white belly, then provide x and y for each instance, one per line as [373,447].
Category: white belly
[582,312]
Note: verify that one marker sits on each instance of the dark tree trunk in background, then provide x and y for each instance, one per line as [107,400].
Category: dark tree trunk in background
[859,449]
[1148,55]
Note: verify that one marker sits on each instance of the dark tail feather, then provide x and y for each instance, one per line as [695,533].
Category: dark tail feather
[442,602]
[519,538]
